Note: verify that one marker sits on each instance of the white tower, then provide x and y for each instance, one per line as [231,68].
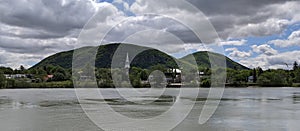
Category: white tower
[127,63]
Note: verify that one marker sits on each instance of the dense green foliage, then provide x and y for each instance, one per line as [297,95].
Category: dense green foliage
[2,80]
[296,76]
[55,71]
[45,77]
[274,78]
[147,58]
[235,78]
[203,60]
[6,70]
[279,77]
[62,59]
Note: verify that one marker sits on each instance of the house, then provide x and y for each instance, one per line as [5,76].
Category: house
[201,73]
[85,78]
[173,76]
[29,77]
[7,76]
[47,77]
[15,76]
[251,79]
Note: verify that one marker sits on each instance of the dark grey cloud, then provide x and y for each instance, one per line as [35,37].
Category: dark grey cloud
[228,16]
[232,7]
[32,46]
[37,27]
[35,34]
[135,25]
[232,18]
[32,29]
[47,16]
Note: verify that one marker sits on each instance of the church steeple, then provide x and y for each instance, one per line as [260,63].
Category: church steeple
[127,62]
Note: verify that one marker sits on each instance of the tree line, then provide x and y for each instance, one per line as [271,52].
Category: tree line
[38,77]
[61,77]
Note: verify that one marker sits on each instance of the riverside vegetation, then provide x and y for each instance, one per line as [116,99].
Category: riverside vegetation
[56,70]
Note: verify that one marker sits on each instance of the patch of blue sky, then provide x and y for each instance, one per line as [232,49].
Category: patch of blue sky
[265,40]
[290,29]
[120,6]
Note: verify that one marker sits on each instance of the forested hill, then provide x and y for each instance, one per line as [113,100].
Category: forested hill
[203,60]
[146,59]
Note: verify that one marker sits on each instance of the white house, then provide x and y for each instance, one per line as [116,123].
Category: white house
[250,79]
[15,76]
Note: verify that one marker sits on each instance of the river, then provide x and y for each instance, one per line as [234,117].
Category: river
[274,109]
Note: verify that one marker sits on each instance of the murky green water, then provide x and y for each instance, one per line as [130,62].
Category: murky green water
[240,109]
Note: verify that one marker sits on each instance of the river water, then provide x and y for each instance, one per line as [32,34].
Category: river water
[274,109]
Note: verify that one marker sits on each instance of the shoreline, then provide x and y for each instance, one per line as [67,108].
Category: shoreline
[227,87]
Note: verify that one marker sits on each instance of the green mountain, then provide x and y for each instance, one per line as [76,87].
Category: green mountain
[203,60]
[143,57]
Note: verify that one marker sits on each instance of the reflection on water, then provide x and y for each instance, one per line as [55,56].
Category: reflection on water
[162,100]
[240,109]
[4,100]
[58,103]
[144,107]
[296,97]
[235,99]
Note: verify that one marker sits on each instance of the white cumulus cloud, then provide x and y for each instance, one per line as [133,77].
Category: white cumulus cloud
[292,40]
[237,54]
[264,49]
[233,42]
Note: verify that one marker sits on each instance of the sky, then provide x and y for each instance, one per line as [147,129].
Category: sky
[263,33]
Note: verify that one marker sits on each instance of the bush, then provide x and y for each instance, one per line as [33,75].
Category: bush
[58,77]
[2,81]
[205,83]
[272,78]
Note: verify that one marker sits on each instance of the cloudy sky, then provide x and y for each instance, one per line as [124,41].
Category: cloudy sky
[263,33]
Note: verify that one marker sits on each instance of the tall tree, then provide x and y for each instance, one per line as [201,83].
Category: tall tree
[144,74]
[260,71]
[295,67]
[22,68]
[2,80]
[254,75]
[296,76]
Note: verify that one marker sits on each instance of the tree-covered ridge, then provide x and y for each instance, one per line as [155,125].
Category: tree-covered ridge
[147,58]
[56,70]
[57,77]
[203,60]
[62,59]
